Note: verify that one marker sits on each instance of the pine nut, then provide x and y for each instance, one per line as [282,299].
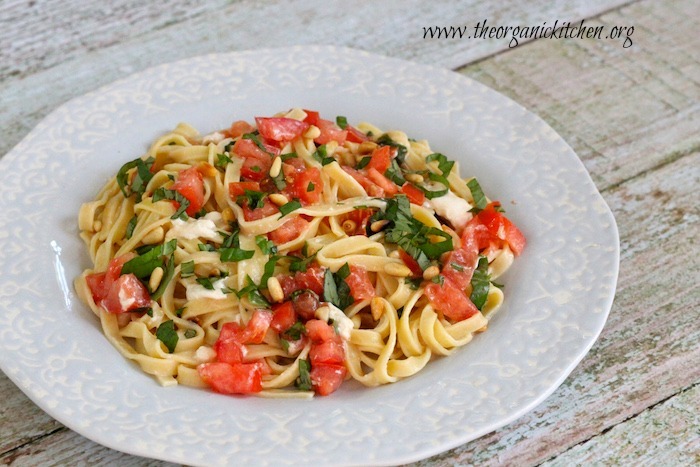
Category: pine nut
[275,289]
[377,308]
[367,147]
[156,277]
[431,272]
[349,226]
[154,236]
[276,167]
[323,313]
[227,215]
[97,226]
[312,133]
[378,225]
[396,269]
[414,178]
[279,199]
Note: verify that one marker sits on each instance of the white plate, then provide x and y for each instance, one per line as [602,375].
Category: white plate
[558,293]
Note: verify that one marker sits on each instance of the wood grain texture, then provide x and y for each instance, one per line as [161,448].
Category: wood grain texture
[632,115]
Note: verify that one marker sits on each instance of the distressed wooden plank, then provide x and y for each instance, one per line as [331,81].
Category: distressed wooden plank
[650,346]
[68,448]
[667,434]
[85,60]
[623,110]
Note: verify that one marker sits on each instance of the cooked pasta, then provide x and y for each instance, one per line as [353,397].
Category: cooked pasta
[282,258]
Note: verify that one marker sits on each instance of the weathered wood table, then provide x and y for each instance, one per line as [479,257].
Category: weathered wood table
[630,110]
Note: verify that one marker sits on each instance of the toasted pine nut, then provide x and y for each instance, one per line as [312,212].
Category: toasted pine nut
[275,289]
[376,226]
[276,167]
[154,236]
[349,226]
[377,308]
[97,226]
[394,254]
[279,199]
[367,147]
[227,215]
[156,277]
[414,178]
[396,269]
[313,132]
[431,272]
[323,313]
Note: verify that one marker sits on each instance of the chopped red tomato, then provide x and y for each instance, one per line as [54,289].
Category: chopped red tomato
[326,379]
[459,266]
[330,132]
[305,185]
[361,287]
[329,351]
[311,279]
[381,159]
[268,209]
[236,189]
[413,194]
[229,350]
[256,162]
[280,128]
[283,317]
[311,117]
[306,303]
[319,331]
[450,300]
[126,294]
[355,135]
[361,218]
[499,228]
[408,260]
[288,231]
[238,378]
[251,333]
[370,187]
[190,184]
[380,180]
[238,128]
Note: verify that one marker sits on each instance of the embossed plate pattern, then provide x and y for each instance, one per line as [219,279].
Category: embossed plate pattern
[558,293]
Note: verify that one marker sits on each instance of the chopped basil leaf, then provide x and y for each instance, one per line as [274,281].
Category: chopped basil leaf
[299,264]
[149,312]
[207,282]
[289,155]
[296,331]
[310,187]
[190,333]
[131,226]
[439,279]
[222,160]
[480,283]
[341,121]
[206,247]
[289,207]
[140,180]
[444,164]
[163,193]
[457,267]
[142,266]
[266,246]
[321,155]
[413,283]
[235,254]
[303,382]
[254,296]
[201,213]
[255,139]
[394,173]
[477,195]
[167,277]
[228,146]
[269,270]
[363,162]
[179,312]
[336,290]
[167,335]
[385,140]
[344,271]
[285,345]
[187,269]
[279,181]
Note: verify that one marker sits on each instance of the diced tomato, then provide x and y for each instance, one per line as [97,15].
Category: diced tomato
[413,194]
[283,317]
[384,183]
[311,117]
[238,128]
[361,287]
[319,331]
[306,303]
[370,187]
[280,128]
[190,184]
[330,132]
[238,378]
[96,284]
[450,300]
[514,237]
[329,351]
[355,135]
[459,266]
[100,283]
[126,294]
[236,189]
[268,209]
[408,260]
[288,231]
[305,185]
[311,279]
[229,350]
[257,327]
[326,379]
[381,159]
[361,218]
[498,226]
[256,162]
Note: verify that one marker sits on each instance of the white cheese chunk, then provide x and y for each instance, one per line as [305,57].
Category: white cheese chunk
[204,227]
[451,207]
[340,321]
[215,138]
[196,291]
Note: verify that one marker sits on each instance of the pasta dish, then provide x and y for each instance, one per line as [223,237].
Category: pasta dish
[283,258]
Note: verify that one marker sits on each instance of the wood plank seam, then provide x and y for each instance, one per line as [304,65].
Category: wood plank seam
[30,441]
